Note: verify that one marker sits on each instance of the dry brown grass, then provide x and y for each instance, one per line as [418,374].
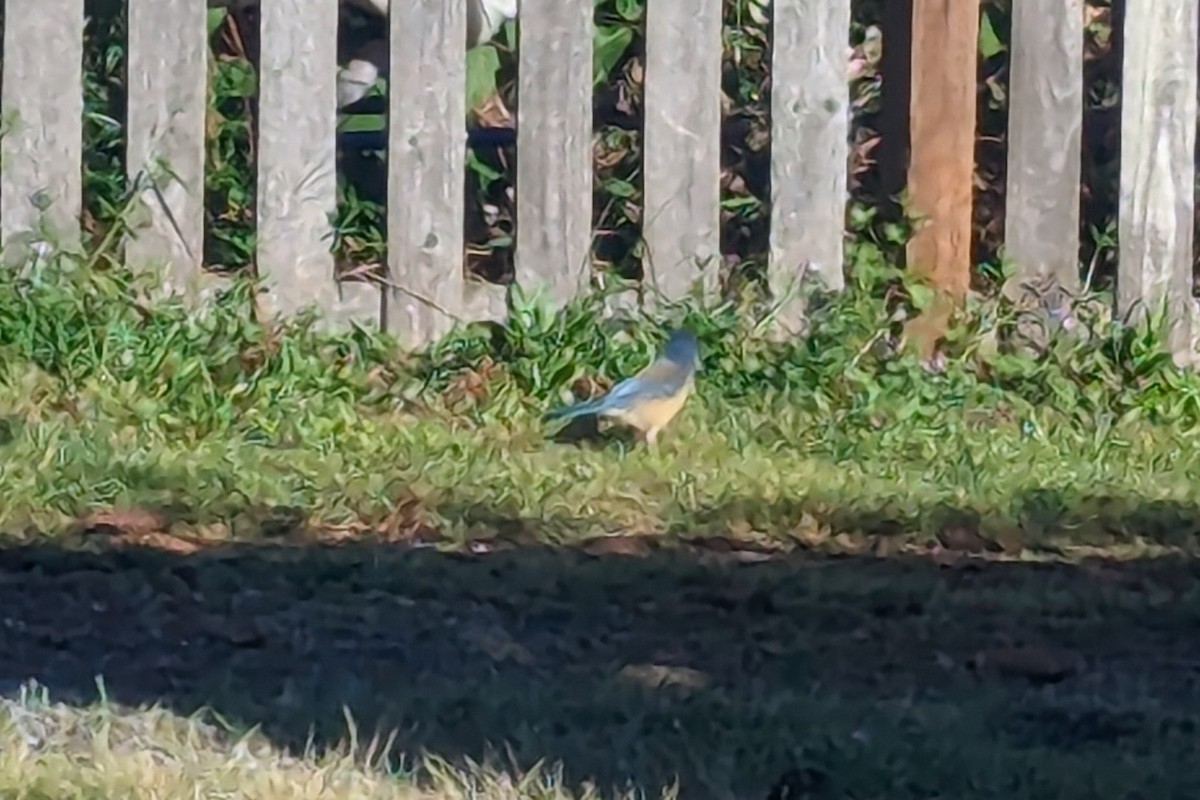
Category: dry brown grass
[53,750]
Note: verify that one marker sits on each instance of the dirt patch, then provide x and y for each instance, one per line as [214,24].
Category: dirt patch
[725,672]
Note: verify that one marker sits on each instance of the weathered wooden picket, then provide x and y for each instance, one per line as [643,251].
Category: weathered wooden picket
[427,291]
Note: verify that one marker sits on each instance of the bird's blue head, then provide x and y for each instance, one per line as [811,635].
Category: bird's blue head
[682,349]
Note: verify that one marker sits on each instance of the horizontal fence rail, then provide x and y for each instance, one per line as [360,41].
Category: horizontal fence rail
[426,289]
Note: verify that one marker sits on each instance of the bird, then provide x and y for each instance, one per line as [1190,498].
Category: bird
[650,399]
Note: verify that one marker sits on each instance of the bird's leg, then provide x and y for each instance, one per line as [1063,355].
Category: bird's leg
[650,435]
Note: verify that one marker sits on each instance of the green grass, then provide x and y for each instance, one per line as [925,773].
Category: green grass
[212,418]
[823,567]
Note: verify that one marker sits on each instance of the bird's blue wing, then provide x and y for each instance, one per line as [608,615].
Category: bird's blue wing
[665,378]
[661,379]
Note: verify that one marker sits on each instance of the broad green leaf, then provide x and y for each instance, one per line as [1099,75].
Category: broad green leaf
[620,188]
[364,122]
[215,17]
[631,10]
[610,44]
[482,64]
[989,43]
[921,296]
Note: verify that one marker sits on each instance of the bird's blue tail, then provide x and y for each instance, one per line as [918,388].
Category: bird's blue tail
[579,409]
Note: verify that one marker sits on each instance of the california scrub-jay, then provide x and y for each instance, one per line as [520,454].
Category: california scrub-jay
[650,399]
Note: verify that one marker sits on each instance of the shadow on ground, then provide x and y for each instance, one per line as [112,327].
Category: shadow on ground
[905,676]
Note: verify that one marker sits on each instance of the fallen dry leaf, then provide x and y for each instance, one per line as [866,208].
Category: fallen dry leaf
[1111,575]
[589,386]
[499,645]
[945,558]
[242,632]
[407,522]
[1009,540]
[771,647]
[123,521]
[620,545]
[1041,664]
[493,113]
[965,537]
[471,384]
[798,783]
[744,540]
[655,676]
[885,546]
[162,541]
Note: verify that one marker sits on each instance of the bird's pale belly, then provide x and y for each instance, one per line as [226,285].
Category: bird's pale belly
[652,414]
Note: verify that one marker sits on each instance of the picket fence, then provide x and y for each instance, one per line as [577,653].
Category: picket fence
[167,50]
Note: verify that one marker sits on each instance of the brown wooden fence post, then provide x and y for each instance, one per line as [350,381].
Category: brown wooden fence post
[945,41]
